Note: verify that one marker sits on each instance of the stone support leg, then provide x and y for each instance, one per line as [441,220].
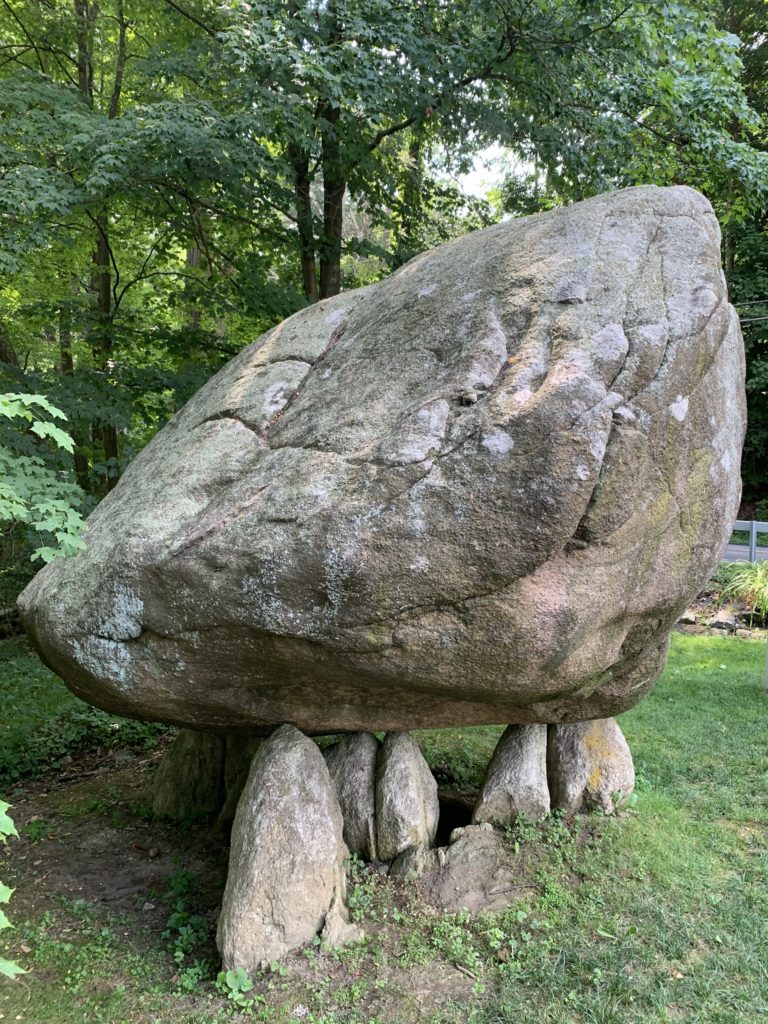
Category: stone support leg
[589,766]
[286,880]
[190,779]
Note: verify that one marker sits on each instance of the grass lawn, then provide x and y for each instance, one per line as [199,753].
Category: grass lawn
[660,915]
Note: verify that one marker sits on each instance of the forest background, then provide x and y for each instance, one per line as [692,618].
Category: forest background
[176,177]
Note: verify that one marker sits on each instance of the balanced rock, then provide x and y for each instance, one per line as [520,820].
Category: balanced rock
[590,766]
[352,767]
[286,878]
[407,808]
[516,779]
[479,491]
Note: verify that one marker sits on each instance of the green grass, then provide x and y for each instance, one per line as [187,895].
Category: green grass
[655,917]
[42,722]
[670,921]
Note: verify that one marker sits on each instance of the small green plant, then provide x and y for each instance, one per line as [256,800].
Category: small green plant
[522,831]
[236,986]
[453,938]
[184,930]
[37,829]
[361,895]
[748,583]
[416,949]
[7,967]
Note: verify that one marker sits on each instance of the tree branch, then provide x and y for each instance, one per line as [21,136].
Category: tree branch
[191,17]
[21,25]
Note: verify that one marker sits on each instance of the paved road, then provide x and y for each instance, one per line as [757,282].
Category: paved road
[740,553]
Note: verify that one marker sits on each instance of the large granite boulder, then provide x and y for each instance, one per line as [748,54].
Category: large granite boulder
[481,490]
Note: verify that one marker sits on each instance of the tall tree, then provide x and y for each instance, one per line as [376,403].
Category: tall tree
[588,90]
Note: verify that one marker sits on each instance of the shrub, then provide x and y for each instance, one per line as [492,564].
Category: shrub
[44,722]
[748,583]
[33,492]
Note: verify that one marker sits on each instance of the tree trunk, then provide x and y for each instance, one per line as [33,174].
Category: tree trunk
[334,187]
[7,351]
[103,288]
[84,17]
[68,369]
[301,186]
[333,224]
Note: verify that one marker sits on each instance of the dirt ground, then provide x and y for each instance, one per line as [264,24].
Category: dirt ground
[88,841]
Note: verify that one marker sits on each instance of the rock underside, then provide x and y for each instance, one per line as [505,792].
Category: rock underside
[479,491]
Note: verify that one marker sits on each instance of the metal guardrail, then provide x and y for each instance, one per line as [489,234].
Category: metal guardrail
[753,527]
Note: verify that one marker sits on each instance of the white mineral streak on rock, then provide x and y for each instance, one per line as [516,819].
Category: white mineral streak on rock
[489,355]
[124,619]
[653,335]
[679,409]
[336,317]
[275,397]
[609,347]
[498,442]
[106,660]
[422,433]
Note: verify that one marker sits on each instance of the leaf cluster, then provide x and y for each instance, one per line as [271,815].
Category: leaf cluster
[8,968]
[32,493]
